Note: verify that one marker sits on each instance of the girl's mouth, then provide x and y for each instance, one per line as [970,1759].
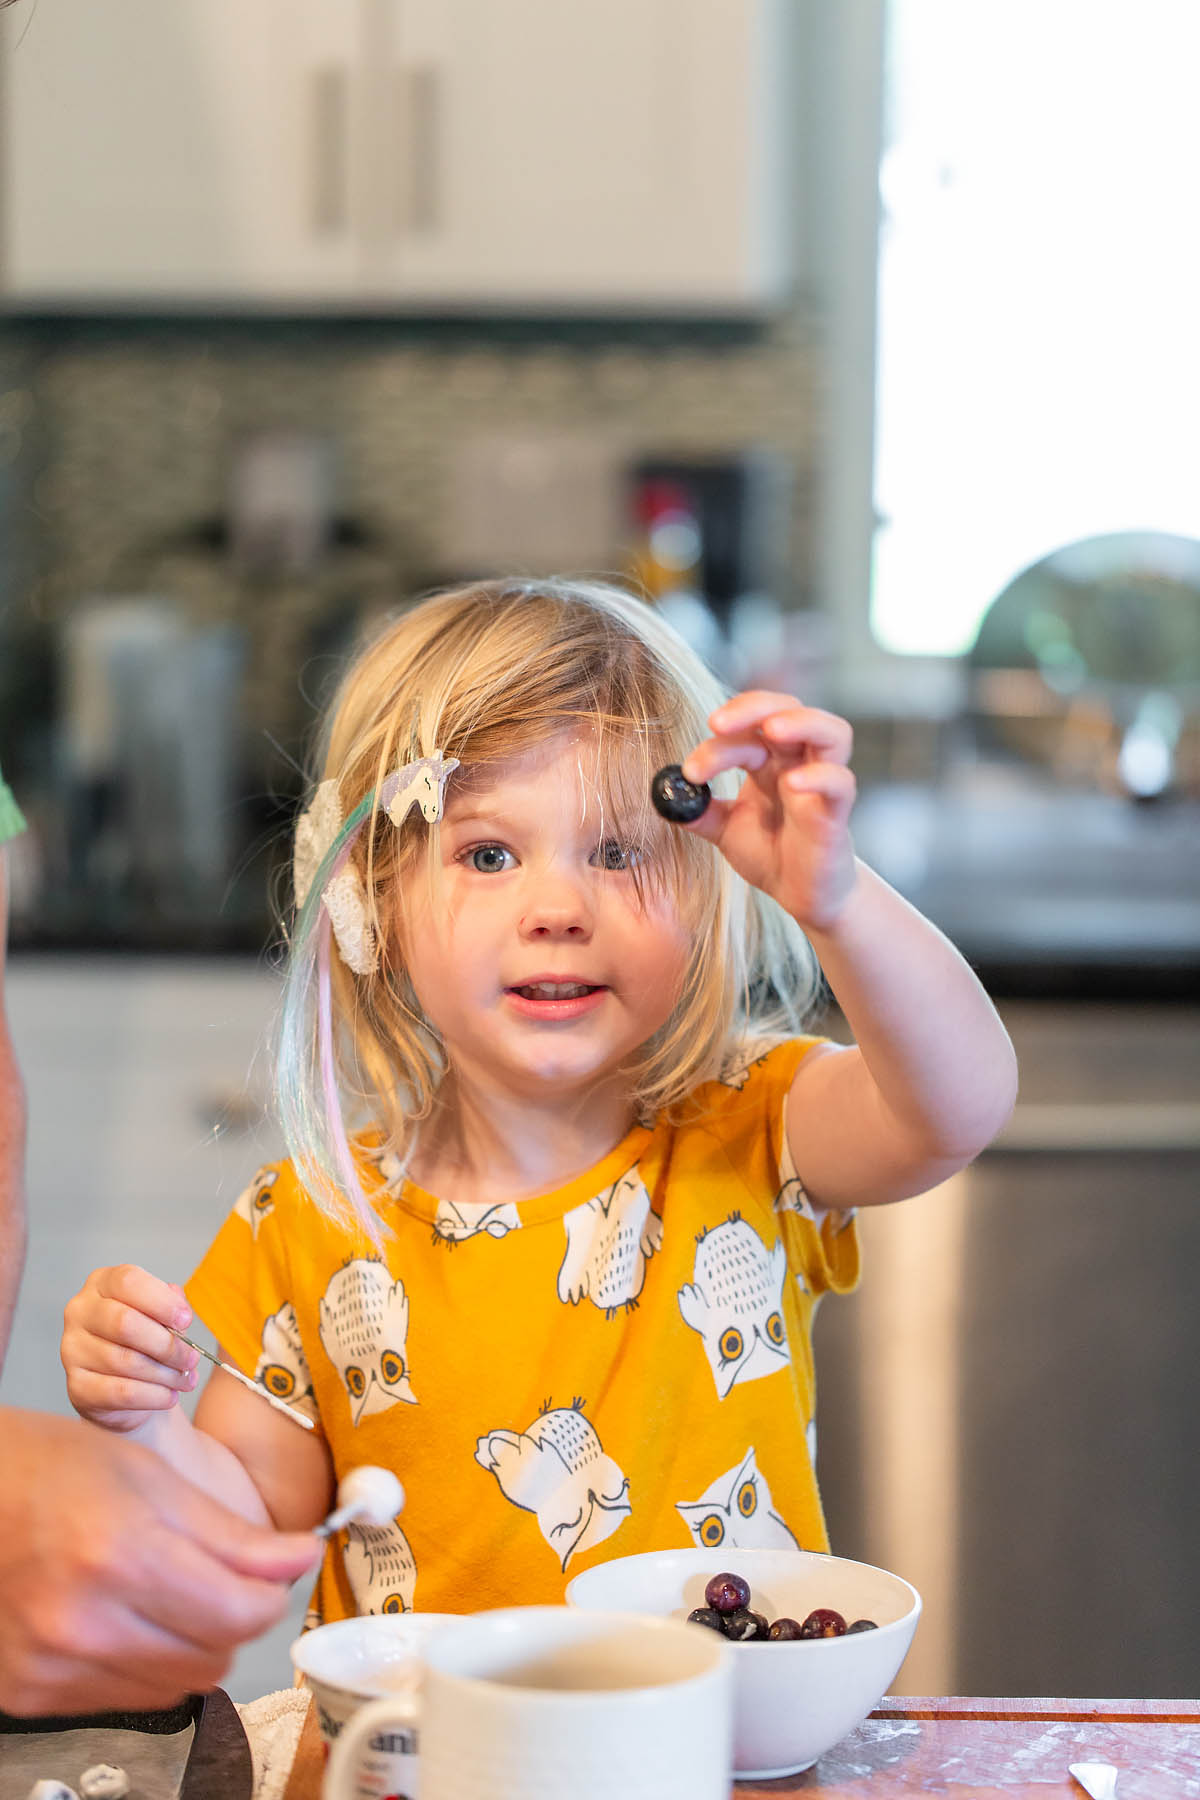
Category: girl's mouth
[555,999]
[554,990]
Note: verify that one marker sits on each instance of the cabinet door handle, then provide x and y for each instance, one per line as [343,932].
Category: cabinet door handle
[329,175]
[418,122]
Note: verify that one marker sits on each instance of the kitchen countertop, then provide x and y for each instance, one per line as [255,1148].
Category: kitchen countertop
[967,1749]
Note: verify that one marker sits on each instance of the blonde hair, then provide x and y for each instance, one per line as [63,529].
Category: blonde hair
[482,673]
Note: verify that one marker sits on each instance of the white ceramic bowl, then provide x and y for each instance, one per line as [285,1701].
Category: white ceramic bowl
[792,1700]
[352,1661]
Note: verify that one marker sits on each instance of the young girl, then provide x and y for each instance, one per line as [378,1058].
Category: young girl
[563,1279]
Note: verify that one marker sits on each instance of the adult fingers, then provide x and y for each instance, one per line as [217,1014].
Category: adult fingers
[199,1604]
[163,1611]
[89,1652]
[69,1684]
[255,1551]
[224,1538]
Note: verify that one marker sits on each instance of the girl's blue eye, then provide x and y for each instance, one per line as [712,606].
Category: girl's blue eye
[612,854]
[491,859]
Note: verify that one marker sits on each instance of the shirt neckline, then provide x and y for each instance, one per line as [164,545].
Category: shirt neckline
[552,1204]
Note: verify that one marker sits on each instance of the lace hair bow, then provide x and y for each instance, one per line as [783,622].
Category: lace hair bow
[323,837]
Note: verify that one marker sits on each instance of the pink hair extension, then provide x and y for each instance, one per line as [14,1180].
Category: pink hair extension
[315,1134]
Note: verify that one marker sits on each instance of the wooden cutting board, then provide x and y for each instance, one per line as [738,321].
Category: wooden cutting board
[966,1749]
[977,1749]
[308,1764]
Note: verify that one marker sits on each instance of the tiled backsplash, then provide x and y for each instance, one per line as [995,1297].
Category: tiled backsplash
[123,436]
[119,443]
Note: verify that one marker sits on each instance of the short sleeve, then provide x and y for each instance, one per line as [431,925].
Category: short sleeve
[243,1288]
[822,1244]
[745,1109]
[822,1249]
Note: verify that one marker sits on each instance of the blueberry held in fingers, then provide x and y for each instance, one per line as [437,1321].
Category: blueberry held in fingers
[677,798]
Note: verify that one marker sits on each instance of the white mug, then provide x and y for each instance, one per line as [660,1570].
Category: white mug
[539,1702]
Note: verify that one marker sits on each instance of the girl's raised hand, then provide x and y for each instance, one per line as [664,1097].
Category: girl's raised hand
[122,1361]
[788,829]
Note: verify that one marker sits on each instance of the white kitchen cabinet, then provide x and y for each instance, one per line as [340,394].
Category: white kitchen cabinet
[178,149]
[392,154]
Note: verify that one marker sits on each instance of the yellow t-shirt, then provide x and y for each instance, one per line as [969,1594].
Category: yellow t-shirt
[622,1365]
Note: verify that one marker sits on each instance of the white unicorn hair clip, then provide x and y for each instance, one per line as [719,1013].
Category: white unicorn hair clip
[420,782]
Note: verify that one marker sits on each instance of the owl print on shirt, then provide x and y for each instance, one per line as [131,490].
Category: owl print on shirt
[735,1302]
[364,1332]
[380,1567]
[735,1071]
[257,1202]
[455,1222]
[282,1367]
[793,1198]
[737,1512]
[558,1471]
[610,1239]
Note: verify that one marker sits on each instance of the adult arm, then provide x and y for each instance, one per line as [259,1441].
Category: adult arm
[12,1149]
[124,1586]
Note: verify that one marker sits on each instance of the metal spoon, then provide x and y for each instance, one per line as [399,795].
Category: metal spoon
[279,1405]
[1097,1779]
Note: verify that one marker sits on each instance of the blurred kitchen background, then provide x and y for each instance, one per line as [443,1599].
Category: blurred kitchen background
[863,338]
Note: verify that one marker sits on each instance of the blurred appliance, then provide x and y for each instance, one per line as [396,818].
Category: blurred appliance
[149,734]
[280,502]
[715,525]
[710,546]
[543,500]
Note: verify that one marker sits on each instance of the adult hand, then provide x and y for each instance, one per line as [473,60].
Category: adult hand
[124,1587]
[787,831]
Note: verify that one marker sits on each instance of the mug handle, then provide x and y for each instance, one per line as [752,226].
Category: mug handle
[394,1712]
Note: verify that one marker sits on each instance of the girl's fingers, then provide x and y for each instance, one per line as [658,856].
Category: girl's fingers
[823,735]
[744,712]
[133,1309]
[715,755]
[129,1327]
[755,727]
[100,1356]
[92,1392]
[711,823]
[833,783]
[772,714]
[159,1300]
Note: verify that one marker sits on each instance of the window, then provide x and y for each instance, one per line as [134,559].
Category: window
[1038,330]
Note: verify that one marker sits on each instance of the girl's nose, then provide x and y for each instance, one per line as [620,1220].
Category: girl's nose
[556,907]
